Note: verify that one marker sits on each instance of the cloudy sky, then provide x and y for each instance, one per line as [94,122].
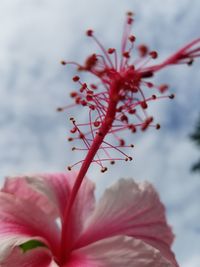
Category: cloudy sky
[36,34]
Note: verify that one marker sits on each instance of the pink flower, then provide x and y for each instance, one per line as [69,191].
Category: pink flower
[126,228]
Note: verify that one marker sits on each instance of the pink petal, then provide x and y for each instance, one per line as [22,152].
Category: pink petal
[51,192]
[39,257]
[119,251]
[24,220]
[80,260]
[130,209]
[60,186]
[43,189]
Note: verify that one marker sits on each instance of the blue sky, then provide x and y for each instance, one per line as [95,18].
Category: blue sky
[36,34]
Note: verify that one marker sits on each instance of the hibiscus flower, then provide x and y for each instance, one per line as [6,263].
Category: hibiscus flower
[126,228]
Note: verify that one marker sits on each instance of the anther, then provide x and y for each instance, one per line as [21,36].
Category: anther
[130,20]
[89,32]
[83,87]
[129,13]
[96,123]
[130,158]
[73,148]
[144,104]
[131,145]
[81,136]
[111,50]
[62,62]
[153,97]
[163,87]
[153,54]
[89,97]
[147,74]
[190,62]
[143,50]
[112,162]
[70,139]
[132,111]
[119,109]
[146,123]
[93,86]
[126,54]
[171,96]
[124,118]
[59,109]
[83,103]
[157,126]
[132,38]
[122,142]
[132,128]
[92,107]
[76,78]
[69,168]
[149,84]
[73,94]
[78,100]
[73,130]
[104,169]
[90,62]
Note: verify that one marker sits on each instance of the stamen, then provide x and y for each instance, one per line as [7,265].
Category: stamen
[116,102]
[130,94]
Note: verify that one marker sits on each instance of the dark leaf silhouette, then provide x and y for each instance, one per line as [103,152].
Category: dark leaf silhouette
[195,137]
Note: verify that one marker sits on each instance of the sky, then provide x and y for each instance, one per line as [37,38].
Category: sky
[36,34]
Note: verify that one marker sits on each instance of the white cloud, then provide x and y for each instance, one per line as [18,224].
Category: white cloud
[194,261]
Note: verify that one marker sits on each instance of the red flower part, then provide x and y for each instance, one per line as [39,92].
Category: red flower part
[118,100]
[120,97]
